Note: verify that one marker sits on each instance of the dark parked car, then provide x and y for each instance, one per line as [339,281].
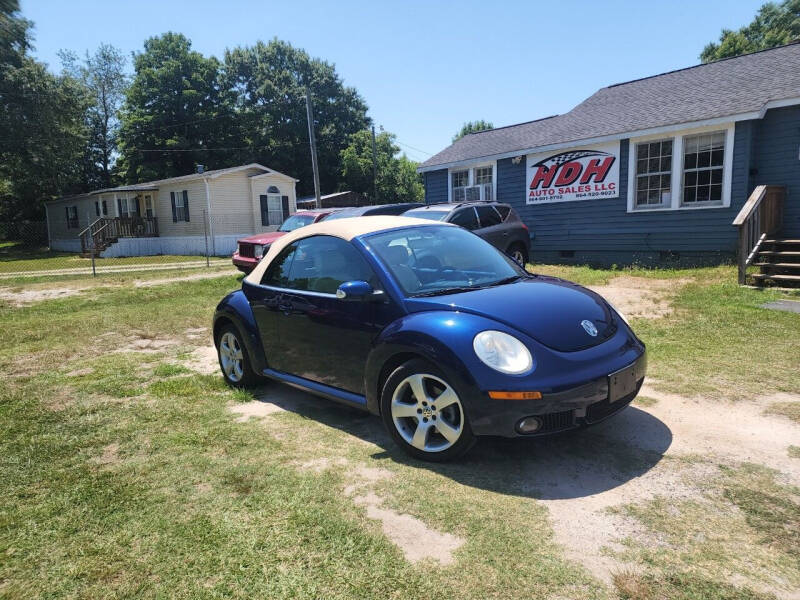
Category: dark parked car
[377,209]
[430,327]
[497,223]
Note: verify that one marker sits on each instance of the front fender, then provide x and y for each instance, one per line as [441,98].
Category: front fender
[441,337]
[236,309]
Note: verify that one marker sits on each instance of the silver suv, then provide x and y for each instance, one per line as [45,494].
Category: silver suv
[497,223]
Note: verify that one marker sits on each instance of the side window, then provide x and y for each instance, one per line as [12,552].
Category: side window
[322,263]
[488,216]
[503,210]
[466,218]
[277,274]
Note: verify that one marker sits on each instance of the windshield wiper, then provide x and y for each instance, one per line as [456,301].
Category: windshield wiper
[445,291]
[506,280]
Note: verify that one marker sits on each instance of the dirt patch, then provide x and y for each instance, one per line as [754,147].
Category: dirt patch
[80,372]
[145,345]
[641,296]
[203,360]
[693,435]
[32,296]
[109,456]
[255,409]
[417,541]
[192,277]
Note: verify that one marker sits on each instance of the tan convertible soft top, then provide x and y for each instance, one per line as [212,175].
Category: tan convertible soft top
[346,229]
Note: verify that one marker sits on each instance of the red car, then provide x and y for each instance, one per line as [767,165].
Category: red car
[252,248]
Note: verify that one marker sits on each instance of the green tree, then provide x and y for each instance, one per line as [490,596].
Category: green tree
[103,75]
[175,114]
[42,128]
[472,127]
[269,82]
[773,25]
[397,180]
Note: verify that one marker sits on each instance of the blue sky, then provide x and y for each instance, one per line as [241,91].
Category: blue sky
[424,67]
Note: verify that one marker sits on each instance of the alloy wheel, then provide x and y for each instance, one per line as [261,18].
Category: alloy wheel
[427,413]
[231,357]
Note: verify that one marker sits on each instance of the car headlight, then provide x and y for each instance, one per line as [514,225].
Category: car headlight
[502,352]
[258,251]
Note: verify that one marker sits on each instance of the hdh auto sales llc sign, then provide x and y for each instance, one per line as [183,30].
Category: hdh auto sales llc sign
[586,174]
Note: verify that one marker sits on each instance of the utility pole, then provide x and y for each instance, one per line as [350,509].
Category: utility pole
[313,142]
[374,169]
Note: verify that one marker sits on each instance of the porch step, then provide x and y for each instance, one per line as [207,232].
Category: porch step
[780,265]
[780,252]
[780,278]
[779,241]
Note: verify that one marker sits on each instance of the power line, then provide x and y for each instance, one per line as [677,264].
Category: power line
[413,148]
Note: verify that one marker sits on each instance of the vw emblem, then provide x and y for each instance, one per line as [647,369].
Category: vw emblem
[589,327]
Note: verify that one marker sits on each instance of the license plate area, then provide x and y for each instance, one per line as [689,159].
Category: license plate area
[623,382]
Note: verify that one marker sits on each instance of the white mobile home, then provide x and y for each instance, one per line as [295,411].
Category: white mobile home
[174,216]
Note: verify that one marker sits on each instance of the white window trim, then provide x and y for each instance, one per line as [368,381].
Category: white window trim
[471,169]
[676,199]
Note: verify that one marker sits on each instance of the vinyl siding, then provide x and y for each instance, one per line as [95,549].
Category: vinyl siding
[436,186]
[231,204]
[259,186]
[57,222]
[197,204]
[604,230]
[776,158]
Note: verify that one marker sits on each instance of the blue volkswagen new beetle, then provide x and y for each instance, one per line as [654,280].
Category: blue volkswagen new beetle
[433,329]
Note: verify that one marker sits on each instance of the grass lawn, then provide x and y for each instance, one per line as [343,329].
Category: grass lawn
[125,473]
[17,258]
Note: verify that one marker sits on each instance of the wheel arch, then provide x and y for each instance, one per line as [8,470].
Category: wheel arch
[415,337]
[235,310]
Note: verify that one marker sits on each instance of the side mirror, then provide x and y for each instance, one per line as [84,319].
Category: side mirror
[354,290]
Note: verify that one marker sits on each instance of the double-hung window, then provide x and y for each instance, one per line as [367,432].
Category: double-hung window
[654,174]
[180,205]
[472,184]
[703,158]
[684,171]
[72,217]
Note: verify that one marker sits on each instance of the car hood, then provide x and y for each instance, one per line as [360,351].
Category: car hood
[263,238]
[549,310]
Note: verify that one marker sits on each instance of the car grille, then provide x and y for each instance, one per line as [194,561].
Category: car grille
[557,421]
[603,409]
[246,251]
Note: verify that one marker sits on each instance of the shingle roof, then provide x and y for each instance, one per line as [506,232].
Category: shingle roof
[724,88]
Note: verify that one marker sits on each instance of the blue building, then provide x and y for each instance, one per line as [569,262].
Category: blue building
[647,171]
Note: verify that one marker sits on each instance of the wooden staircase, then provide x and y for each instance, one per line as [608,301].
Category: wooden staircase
[779,262]
[760,244]
[106,231]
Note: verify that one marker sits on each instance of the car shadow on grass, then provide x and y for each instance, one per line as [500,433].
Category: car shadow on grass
[573,464]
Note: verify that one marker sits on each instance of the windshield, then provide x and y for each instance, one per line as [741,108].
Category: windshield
[433,215]
[296,222]
[427,261]
[341,214]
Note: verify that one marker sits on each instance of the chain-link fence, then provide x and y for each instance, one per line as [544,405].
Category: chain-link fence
[68,243]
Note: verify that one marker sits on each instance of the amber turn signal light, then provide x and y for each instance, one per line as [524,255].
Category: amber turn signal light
[515,395]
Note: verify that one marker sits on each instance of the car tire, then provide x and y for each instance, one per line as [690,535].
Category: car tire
[417,425]
[519,253]
[234,361]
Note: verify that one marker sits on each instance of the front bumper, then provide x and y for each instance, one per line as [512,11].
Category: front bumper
[244,263]
[582,405]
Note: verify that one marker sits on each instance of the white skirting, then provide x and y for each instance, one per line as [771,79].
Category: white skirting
[223,245]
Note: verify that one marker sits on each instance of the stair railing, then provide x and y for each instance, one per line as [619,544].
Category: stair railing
[761,215]
[94,236]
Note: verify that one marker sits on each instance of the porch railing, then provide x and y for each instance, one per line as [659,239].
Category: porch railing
[106,230]
[761,215]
